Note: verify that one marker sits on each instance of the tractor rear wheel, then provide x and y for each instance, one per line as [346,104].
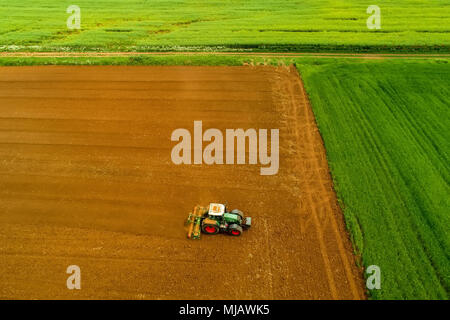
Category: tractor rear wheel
[210,228]
[238,212]
[235,230]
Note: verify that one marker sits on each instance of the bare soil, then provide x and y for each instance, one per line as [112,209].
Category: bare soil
[86,179]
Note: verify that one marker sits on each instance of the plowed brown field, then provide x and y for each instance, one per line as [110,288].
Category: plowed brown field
[86,179]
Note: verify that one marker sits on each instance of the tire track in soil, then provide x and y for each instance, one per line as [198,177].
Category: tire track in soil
[311,203]
[331,205]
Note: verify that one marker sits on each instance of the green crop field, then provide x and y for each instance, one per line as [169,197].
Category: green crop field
[301,25]
[386,130]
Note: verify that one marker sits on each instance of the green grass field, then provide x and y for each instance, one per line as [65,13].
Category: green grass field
[386,130]
[301,25]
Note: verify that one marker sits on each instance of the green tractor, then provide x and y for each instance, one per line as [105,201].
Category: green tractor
[216,219]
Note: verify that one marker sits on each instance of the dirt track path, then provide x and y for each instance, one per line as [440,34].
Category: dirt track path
[86,178]
[258,54]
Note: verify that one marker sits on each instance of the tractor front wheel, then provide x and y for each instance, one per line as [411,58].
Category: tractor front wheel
[210,229]
[235,230]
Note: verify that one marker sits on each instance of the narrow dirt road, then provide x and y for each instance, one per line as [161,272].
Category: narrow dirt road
[251,54]
[86,179]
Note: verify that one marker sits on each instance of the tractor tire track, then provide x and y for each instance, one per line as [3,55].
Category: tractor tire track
[250,54]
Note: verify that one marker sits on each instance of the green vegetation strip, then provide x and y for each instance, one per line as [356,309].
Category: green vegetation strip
[385,125]
[232,25]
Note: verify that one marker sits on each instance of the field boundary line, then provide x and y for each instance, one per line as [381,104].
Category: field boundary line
[267,244]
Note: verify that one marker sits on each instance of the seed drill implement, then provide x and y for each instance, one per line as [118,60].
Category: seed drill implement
[216,219]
